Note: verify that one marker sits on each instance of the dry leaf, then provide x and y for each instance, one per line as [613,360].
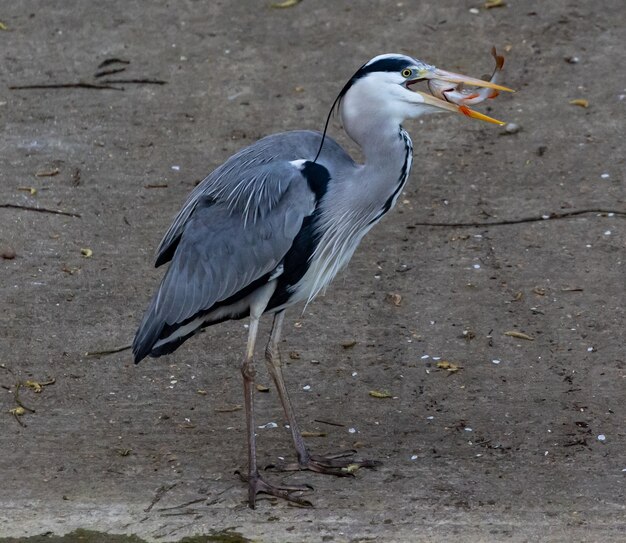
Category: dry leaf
[34,385]
[17,411]
[580,102]
[201,392]
[494,4]
[449,366]
[262,388]
[87,253]
[539,291]
[518,296]
[31,190]
[395,299]
[3,26]
[228,409]
[294,355]
[380,394]
[349,344]
[519,335]
[48,173]
[314,434]
[285,4]
[351,468]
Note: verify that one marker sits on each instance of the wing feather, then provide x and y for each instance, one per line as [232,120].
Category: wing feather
[223,246]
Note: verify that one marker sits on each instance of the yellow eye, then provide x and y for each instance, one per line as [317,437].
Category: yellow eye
[406,72]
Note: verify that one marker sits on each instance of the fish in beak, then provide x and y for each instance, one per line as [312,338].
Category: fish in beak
[448,90]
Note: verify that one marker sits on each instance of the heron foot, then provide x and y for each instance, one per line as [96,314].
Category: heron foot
[342,464]
[258,485]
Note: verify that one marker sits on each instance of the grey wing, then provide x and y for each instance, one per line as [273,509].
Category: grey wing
[249,183]
[225,243]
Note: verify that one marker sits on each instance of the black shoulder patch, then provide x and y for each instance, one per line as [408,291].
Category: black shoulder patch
[317,177]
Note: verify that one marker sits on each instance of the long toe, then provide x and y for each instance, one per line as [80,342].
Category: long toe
[258,485]
[341,464]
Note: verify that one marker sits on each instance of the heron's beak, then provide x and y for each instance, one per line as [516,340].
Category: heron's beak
[458,80]
[454,108]
[451,77]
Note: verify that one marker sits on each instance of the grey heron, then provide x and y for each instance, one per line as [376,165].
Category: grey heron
[274,224]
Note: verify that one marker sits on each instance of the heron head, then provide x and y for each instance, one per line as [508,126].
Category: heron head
[384,87]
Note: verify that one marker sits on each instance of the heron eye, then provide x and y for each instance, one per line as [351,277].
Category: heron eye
[406,72]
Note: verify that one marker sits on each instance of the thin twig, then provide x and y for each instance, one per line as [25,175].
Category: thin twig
[552,216]
[108,351]
[80,85]
[159,494]
[40,210]
[141,81]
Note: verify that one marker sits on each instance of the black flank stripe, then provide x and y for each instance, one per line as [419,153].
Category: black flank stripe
[296,261]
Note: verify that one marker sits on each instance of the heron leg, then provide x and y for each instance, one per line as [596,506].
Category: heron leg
[256,484]
[340,464]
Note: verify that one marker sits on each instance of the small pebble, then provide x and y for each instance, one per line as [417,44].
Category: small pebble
[269,425]
[474,11]
[414,457]
[605,175]
[476,266]
[430,418]
[424,357]
[176,168]
[589,349]
[306,387]
[572,60]
[601,437]
[468,429]
[512,128]
[496,361]
[354,374]
[352,430]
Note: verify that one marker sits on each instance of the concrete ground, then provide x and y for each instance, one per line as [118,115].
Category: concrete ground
[497,232]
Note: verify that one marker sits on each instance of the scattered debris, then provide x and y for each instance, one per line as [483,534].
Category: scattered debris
[581,102]
[380,394]
[314,434]
[269,425]
[349,344]
[113,60]
[108,351]
[330,423]
[449,366]
[48,173]
[262,388]
[494,4]
[40,210]
[87,253]
[38,386]
[351,468]
[31,190]
[228,409]
[294,355]
[285,4]
[8,253]
[519,335]
[539,291]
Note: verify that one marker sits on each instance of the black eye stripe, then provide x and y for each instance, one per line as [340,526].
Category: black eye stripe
[393,64]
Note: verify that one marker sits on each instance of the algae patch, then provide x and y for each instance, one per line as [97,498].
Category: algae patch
[87,536]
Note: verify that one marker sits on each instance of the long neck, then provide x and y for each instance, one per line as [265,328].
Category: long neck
[388,154]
